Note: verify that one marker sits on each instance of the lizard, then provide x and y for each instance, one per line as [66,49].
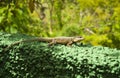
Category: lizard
[60,40]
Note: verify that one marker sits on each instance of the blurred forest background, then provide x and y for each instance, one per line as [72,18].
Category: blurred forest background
[98,21]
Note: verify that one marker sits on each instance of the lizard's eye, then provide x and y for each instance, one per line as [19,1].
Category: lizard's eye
[79,37]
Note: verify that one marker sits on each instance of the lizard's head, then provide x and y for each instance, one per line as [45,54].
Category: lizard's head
[78,38]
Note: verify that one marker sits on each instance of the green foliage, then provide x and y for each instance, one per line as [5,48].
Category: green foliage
[73,30]
[38,60]
[14,17]
[64,18]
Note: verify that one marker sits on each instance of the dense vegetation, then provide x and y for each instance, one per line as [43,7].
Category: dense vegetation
[38,60]
[97,20]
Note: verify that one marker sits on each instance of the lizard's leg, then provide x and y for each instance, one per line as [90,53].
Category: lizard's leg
[69,43]
[53,42]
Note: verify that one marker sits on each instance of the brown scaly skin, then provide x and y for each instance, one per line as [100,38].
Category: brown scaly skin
[56,40]
[65,40]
